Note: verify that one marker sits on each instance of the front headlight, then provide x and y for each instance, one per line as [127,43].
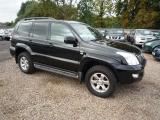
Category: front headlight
[107,37]
[130,58]
[122,37]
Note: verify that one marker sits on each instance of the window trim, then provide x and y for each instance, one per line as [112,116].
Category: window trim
[33,30]
[62,23]
[19,24]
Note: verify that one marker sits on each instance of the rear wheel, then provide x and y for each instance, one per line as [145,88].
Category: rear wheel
[100,81]
[25,63]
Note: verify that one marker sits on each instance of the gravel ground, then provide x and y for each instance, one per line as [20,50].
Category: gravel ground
[46,96]
[4,50]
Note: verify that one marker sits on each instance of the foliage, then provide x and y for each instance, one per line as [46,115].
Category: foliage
[85,8]
[98,13]
[139,13]
[46,8]
[93,12]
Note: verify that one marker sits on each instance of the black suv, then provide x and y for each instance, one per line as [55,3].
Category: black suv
[76,50]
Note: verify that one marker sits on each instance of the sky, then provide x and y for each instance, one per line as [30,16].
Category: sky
[9,9]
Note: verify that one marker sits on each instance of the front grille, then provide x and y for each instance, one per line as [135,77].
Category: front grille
[115,38]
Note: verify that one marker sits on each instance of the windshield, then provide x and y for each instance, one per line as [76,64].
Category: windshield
[144,32]
[86,32]
[115,31]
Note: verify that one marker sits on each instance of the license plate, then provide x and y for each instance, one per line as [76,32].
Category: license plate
[153,53]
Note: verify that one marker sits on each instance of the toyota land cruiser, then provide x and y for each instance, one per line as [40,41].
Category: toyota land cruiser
[76,50]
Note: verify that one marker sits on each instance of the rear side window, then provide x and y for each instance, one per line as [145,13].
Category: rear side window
[40,30]
[24,28]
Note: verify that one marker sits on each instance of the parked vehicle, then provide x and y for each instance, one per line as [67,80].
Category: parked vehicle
[151,45]
[156,52]
[155,32]
[1,34]
[140,36]
[116,35]
[102,30]
[157,35]
[7,34]
[76,50]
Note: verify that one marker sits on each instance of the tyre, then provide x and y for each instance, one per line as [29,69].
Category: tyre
[156,52]
[100,81]
[25,63]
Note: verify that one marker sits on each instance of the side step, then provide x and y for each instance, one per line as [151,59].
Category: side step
[56,70]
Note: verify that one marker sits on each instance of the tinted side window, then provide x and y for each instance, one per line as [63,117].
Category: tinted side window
[59,32]
[24,28]
[40,30]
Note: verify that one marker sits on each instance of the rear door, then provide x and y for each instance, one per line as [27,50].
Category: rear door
[21,33]
[38,41]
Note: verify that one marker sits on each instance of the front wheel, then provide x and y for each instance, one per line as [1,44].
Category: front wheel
[100,81]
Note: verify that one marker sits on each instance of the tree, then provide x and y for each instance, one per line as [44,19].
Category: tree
[47,8]
[85,8]
[103,8]
[26,9]
[139,13]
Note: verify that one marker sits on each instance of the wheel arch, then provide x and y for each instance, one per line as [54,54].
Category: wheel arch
[22,48]
[90,62]
[155,47]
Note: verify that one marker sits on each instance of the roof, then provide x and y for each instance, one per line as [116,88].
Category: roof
[49,19]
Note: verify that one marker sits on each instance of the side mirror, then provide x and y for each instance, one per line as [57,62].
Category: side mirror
[70,40]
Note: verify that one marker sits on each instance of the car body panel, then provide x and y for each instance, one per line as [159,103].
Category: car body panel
[150,45]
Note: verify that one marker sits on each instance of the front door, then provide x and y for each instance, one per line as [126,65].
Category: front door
[64,56]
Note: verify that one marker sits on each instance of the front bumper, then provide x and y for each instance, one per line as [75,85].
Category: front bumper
[130,74]
[125,76]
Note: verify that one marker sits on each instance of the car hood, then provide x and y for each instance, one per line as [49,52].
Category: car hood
[154,42]
[112,47]
[147,36]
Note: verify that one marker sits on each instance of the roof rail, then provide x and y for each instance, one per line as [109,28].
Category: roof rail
[37,18]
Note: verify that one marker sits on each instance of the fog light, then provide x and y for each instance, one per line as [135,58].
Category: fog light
[135,75]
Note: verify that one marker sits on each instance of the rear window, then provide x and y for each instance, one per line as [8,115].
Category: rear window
[24,28]
[40,30]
